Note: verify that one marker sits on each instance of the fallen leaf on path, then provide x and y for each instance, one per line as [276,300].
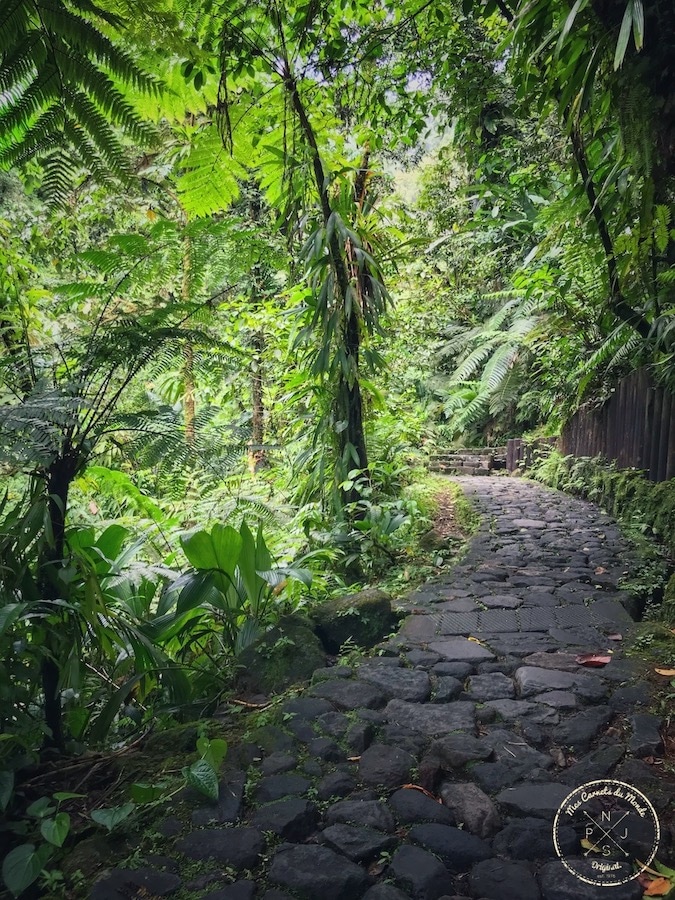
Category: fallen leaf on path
[417,787]
[667,672]
[614,637]
[376,868]
[601,570]
[589,845]
[659,887]
[558,757]
[593,660]
[476,641]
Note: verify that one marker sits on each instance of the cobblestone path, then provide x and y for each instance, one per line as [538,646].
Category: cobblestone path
[479,699]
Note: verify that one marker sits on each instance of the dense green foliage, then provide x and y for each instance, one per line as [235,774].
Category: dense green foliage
[256,259]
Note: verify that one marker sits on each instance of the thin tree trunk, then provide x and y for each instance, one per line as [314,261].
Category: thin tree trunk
[188,357]
[59,478]
[189,394]
[256,453]
[349,404]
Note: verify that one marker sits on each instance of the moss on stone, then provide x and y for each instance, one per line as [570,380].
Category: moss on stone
[365,618]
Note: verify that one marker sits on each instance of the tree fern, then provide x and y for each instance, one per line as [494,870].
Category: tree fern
[59,77]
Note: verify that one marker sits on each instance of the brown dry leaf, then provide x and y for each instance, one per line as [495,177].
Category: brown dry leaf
[589,845]
[417,787]
[376,868]
[614,637]
[601,570]
[476,641]
[593,660]
[667,672]
[353,759]
[659,887]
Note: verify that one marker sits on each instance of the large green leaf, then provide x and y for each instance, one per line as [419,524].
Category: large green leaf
[55,830]
[6,788]
[201,776]
[22,865]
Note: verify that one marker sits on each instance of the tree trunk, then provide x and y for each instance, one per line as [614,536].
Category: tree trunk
[349,404]
[256,452]
[189,394]
[59,478]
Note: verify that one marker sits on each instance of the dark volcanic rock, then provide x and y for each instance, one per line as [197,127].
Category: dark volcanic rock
[350,694]
[237,848]
[534,799]
[274,787]
[336,784]
[404,684]
[293,820]
[122,883]
[558,884]
[357,843]
[432,718]
[420,874]
[531,838]
[227,808]
[412,806]
[496,879]
[384,765]
[458,849]
[581,729]
[646,738]
[495,686]
[369,813]
[471,808]
[318,872]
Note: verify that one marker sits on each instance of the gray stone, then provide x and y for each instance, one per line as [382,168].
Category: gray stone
[646,738]
[447,689]
[532,838]
[237,848]
[581,729]
[411,806]
[357,843]
[497,879]
[471,808]
[331,672]
[350,694]
[277,763]
[274,787]
[421,875]
[359,736]
[452,752]
[541,800]
[457,849]
[315,871]
[455,669]
[490,687]
[369,813]
[293,820]
[308,708]
[532,680]
[287,653]
[515,710]
[385,892]
[461,650]
[404,684]
[557,883]
[227,808]
[594,766]
[432,718]
[122,883]
[629,697]
[557,699]
[326,749]
[336,784]
[424,658]
[383,765]
[502,601]
[413,742]
[565,662]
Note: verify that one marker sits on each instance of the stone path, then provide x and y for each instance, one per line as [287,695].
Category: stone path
[479,700]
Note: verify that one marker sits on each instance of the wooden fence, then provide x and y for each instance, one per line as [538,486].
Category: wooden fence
[635,428]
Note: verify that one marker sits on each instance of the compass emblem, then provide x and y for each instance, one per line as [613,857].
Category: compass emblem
[617,830]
